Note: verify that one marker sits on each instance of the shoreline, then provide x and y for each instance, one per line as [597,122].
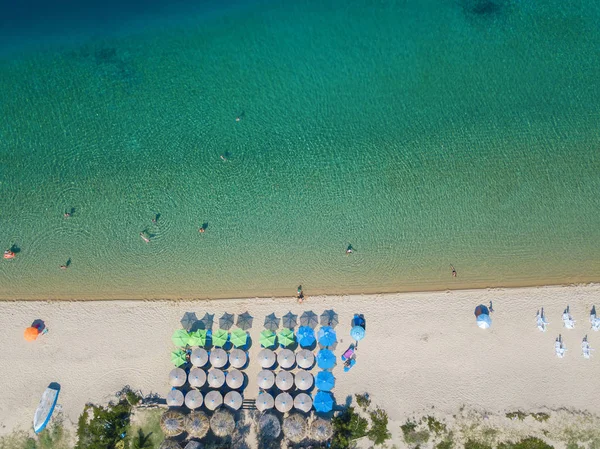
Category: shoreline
[422,350]
[317,293]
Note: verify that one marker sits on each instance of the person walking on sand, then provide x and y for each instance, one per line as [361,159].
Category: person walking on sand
[453,271]
[300,295]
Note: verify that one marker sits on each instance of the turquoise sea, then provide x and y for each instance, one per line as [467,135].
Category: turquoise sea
[424,133]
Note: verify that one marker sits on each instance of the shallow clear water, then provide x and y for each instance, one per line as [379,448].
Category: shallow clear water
[424,133]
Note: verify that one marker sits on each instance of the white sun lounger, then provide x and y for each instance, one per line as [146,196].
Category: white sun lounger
[568,320]
[542,324]
[585,348]
[595,322]
[559,349]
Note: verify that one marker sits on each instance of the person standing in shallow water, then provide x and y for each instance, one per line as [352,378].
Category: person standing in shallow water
[453,271]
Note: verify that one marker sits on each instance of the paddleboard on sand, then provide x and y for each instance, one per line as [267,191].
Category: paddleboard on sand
[46,407]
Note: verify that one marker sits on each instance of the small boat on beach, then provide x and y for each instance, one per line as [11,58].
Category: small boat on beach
[44,411]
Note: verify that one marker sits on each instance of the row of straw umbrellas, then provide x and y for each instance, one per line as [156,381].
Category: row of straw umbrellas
[222,423]
[328,318]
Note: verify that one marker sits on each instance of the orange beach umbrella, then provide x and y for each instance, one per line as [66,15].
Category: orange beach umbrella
[31,333]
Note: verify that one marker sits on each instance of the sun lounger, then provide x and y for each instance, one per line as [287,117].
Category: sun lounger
[348,354]
[348,366]
[595,322]
[568,320]
[542,323]
[559,349]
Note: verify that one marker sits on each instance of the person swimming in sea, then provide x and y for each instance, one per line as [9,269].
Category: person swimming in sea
[349,250]
[144,238]
[453,271]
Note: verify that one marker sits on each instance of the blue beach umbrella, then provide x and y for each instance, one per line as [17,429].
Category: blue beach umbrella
[324,381]
[357,332]
[325,359]
[305,336]
[484,321]
[323,402]
[327,336]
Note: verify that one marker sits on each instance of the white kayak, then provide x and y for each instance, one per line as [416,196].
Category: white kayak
[44,411]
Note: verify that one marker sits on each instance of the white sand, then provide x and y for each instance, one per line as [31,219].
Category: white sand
[422,350]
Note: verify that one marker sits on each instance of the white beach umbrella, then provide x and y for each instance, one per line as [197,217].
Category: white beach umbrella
[305,359]
[284,402]
[199,357]
[193,399]
[284,380]
[234,379]
[233,400]
[264,401]
[175,398]
[304,380]
[213,399]
[303,402]
[197,377]
[177,377]
[267,358]
[265,379]
[218,358]
[237,358]
[286,358]
[216,378]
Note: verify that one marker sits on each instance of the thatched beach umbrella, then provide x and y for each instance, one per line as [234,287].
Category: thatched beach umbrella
[284,402]
[234,379]
[305,359]
[265,379]
[303,402]
[169,444]
[286,358]
[269,426]
[207,321]
[188,320]
[284,380]
[244,321]
[199,357]
[213,399]
[309,318]
[271,322]
[294,427]
[197,377]
[175,398]
[264,401]
[218,358]
[329,318]
[193,399]
[171,423]
[226,321]
[321,430]
[237,358]
[196,424]
[233,400]
[267,358]
[304,380]
[290,320]
[222,423]
[177,377]
[216,378]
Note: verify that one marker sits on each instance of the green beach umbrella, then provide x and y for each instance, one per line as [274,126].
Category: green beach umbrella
[178,357]
[267,338]
[239,337]
[219,337]
[286,337]
[180,338]
[197,338]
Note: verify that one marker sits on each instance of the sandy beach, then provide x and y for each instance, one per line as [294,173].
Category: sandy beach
[422,351]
